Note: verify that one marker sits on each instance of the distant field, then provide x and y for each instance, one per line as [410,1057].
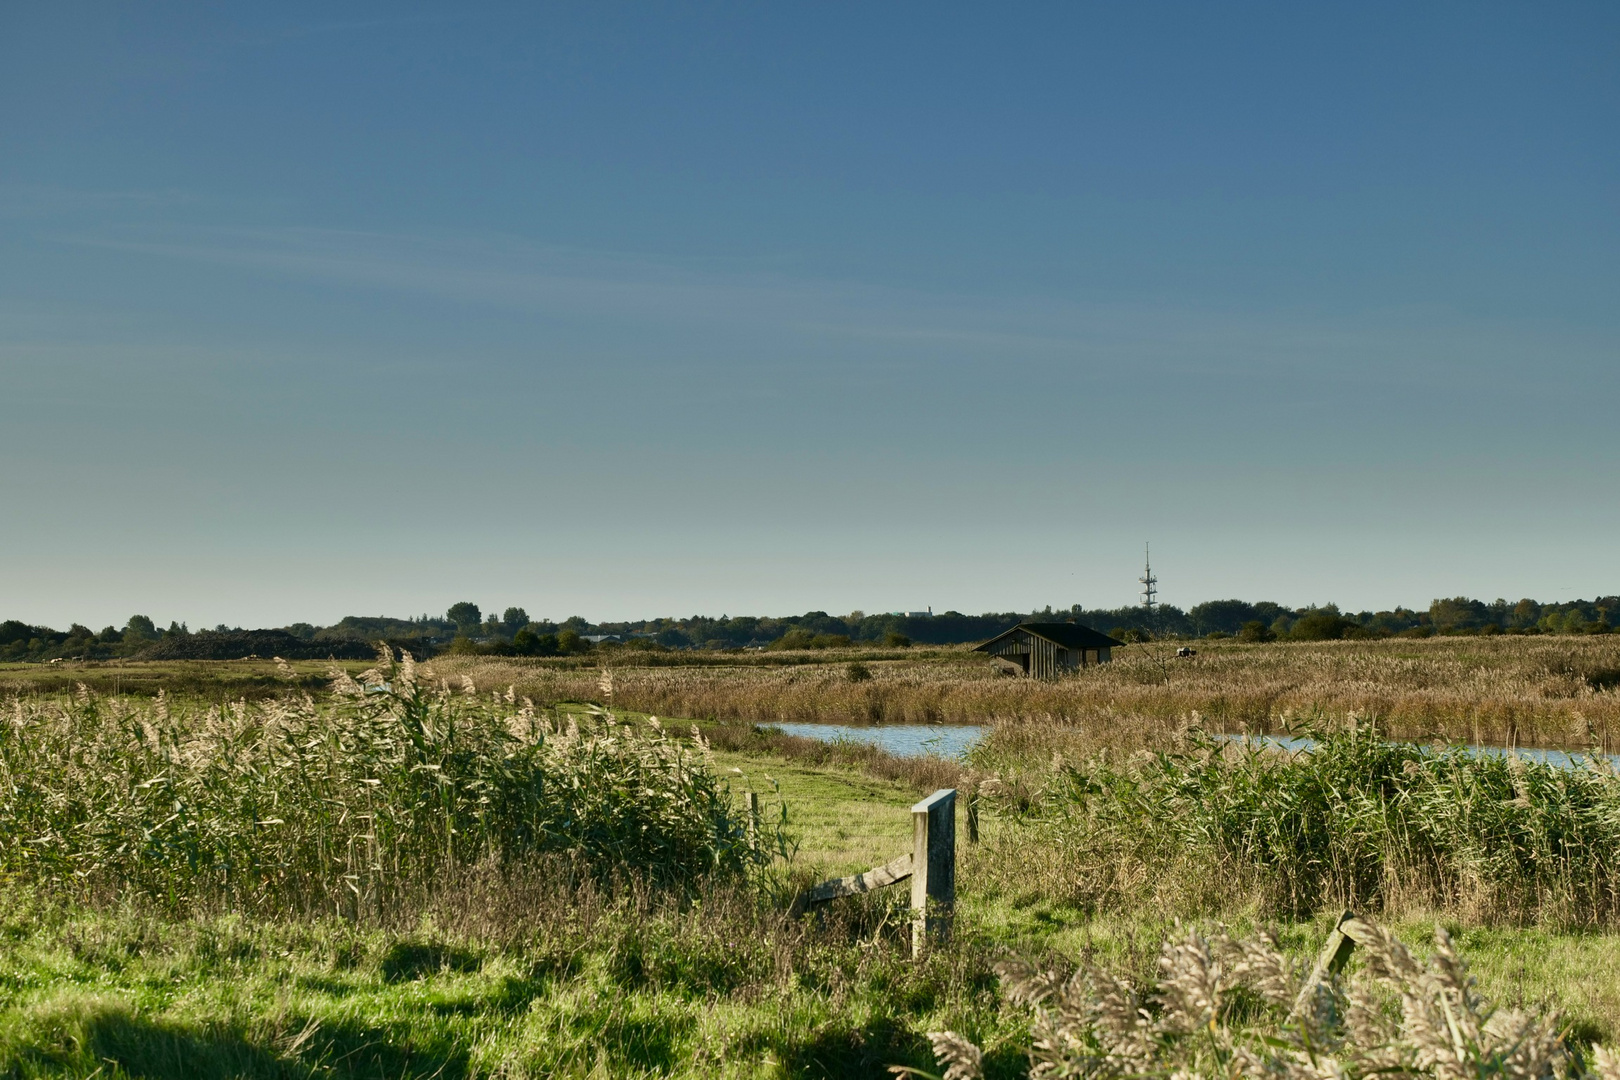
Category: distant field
[214,680]
[1553,691]
[1550,691]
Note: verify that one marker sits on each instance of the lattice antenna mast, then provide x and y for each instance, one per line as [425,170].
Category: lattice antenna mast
[1150,584]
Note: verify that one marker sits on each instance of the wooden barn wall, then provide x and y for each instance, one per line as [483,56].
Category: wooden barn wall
[1046,660]
[1042,658]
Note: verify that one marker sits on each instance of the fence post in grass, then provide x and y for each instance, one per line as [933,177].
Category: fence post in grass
[753,820]
[933,869]
[1341,942]
[973,816]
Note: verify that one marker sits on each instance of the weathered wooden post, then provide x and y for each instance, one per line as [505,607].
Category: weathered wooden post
[753,820]
[1347,933]
[933,869]
[973,816]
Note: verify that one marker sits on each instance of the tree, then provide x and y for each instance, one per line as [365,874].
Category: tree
[1325,624]
[1225,616]
[528,643]
[1524,614]
[12,631]
[514,619]
[140,628]
[466,616]
[1458,613]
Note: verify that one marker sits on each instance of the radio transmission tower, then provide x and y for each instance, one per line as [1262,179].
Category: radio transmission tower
[1150,584]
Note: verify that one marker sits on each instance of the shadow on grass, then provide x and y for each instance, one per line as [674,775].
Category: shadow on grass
[407,960]
[163,1051]
[507,997]
[168,1051]
[839,1052]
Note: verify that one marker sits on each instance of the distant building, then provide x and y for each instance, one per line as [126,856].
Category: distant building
[1044,650]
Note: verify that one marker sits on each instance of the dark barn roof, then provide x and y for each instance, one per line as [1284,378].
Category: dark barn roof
[1067,635]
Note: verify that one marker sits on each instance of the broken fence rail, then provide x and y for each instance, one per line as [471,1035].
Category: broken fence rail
[930,866]
[1347,933]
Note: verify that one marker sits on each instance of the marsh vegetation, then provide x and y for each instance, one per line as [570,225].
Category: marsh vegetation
[488,866]
[1555,691]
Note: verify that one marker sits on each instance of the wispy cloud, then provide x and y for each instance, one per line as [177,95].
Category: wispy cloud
[763,297]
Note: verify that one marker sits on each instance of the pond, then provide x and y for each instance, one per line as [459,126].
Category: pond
[953,741]
[902,740]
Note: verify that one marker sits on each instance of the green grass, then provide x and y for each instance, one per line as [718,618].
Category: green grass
[843,821]
[634,994]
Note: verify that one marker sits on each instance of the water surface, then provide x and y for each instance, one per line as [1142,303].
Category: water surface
[953,741]
[902,740]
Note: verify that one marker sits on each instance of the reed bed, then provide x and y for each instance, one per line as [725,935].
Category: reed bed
[352,805]
[1529,691]
[1225,1007]
[1358,822]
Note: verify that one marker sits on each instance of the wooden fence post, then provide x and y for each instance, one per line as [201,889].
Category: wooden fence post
[1341,941]
[973,816]
[933,869]
[753,820]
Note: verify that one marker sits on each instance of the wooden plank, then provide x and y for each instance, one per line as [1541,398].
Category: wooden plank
[933,877]
[892,872]
[1330,961]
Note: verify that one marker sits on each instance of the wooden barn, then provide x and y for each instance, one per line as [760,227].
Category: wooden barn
[1044,650]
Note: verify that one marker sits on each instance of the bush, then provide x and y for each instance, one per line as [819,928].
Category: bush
[348,805]
[800,638]
[858,672]
[894,639]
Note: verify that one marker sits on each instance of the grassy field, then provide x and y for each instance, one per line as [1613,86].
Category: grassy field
[608,987]
[541,968]
[206,680]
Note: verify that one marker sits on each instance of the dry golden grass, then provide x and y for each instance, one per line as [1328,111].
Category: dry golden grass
[1528,691]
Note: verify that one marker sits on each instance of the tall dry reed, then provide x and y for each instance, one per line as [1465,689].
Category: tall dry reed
[351,804]
[1358,821]
[1527,691]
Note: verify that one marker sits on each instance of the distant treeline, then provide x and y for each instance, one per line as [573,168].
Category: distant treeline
[465,628]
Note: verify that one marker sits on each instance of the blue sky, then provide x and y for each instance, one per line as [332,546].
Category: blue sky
[308,310]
